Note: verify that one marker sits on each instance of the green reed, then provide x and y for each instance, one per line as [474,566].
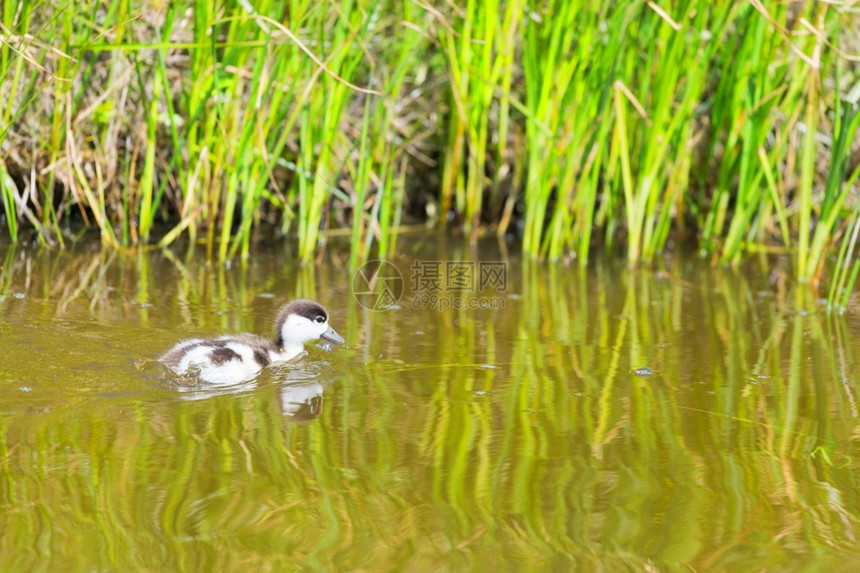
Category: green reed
[478,42]
[847,267]
[620,122]
[565,98]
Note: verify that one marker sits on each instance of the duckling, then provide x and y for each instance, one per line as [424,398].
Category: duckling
[231,359]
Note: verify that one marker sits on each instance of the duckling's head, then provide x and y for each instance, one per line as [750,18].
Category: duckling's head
[301,321]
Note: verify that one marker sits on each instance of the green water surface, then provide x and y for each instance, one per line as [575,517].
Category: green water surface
[518,437]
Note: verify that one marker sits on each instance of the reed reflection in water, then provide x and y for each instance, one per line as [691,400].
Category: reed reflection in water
[516,437]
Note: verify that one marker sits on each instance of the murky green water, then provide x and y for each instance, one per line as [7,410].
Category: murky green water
[513,438]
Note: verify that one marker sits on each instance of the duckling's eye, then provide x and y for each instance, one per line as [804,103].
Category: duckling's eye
[320,319]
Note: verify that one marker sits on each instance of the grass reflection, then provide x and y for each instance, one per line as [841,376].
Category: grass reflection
[459,438]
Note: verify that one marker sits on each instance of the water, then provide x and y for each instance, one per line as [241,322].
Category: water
[607,419]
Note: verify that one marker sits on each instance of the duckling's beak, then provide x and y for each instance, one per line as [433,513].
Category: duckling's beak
[332,336]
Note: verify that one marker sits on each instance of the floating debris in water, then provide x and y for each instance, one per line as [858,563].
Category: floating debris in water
[481,392]
[25,389]
[488,366]
[19,295]
[643,372]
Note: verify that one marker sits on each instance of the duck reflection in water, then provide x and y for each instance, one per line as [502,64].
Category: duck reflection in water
[301,403]
[299,388]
